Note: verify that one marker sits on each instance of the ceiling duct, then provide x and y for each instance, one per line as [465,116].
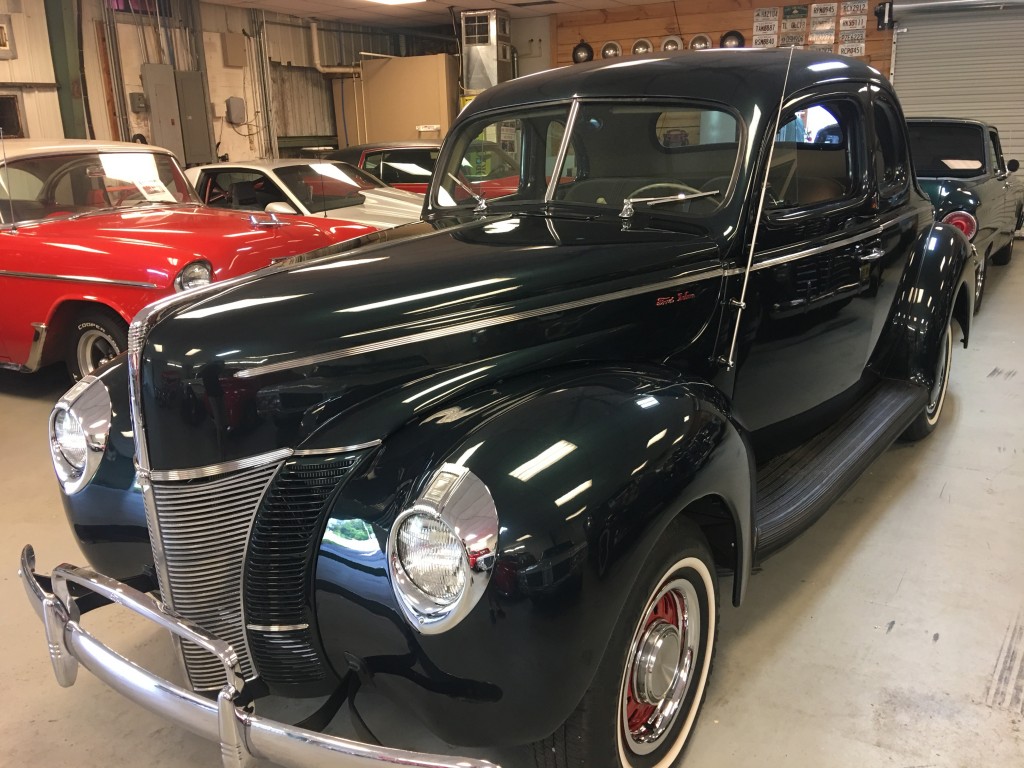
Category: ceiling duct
[486,49]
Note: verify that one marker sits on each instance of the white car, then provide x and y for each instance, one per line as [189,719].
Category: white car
[307,187]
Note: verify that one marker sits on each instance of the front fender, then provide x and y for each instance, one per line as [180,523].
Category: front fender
[587,468]
[937,285]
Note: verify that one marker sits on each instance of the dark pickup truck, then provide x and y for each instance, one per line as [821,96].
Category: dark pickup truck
[960,164]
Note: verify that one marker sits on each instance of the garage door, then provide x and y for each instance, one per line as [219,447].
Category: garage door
[965,64]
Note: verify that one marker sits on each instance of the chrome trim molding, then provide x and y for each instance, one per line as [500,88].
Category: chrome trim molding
[212,470]
[333,451]
[685,278]
[242,735]
[76,279]
[785,258]
[35,353]
[277,627]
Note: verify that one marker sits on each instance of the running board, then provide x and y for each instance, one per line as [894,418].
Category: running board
[795,489]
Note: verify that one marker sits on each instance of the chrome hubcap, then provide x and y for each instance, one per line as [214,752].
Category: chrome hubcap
[660,665]
[94,349]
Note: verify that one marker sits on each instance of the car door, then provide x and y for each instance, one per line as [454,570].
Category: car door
[810,310]
[1007,195]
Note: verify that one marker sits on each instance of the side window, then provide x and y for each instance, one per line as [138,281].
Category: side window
[813,161]
[408,166]
[371,163]
[552,143]
[995,153]
[890,150]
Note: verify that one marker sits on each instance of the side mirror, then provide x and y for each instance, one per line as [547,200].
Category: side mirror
[1013,166]
[280,208]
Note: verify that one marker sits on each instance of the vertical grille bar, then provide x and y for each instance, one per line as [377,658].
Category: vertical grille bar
[204,527]
[282,548]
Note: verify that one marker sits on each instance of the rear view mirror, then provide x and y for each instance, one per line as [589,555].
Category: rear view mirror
[1013,166]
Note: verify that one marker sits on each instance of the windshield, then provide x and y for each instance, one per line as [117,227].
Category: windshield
[947,150]
[325,186]
[68,184]
[616,151]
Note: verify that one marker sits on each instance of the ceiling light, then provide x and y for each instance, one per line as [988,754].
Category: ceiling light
[397,2]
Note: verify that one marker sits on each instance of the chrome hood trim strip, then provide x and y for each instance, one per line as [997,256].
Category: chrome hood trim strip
[685,278]
[76,279]
[212,470]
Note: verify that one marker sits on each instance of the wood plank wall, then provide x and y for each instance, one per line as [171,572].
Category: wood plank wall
[714,18]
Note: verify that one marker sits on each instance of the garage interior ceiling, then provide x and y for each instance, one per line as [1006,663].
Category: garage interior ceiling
[428,13]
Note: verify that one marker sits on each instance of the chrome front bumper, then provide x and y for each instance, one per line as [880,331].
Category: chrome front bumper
[242,735]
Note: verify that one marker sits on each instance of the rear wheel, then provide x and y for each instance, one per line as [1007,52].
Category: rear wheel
[96,337]
[928,419]
[649,688]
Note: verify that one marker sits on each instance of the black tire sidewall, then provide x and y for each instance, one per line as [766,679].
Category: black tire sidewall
[682,552]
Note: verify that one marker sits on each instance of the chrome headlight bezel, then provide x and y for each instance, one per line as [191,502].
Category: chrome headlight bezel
[457,499]
[184,274]
[88,404]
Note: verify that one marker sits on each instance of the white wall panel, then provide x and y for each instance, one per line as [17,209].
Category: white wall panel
[967,65]
[31,73]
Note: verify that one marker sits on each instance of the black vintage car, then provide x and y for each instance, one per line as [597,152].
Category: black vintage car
[960,165]
[497,470]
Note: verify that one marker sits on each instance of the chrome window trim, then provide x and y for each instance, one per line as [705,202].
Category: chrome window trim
[685,278]
[769,260]
[563,150]
[77,279]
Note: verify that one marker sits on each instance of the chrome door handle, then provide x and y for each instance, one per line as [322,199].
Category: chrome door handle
[873,255]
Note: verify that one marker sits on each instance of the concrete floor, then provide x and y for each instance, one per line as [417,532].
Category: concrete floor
[891,634]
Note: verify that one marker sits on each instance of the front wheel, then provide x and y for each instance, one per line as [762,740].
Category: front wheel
[1002,257]
[647,692]
[96,337]
[979,283]
[928,419]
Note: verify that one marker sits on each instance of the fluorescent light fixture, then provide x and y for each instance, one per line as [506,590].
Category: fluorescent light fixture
[397,2]
[543,460]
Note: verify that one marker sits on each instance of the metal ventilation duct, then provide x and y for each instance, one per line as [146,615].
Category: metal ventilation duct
[903,7]
[486,49]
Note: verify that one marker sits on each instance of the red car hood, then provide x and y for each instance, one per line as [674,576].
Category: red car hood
[153,245]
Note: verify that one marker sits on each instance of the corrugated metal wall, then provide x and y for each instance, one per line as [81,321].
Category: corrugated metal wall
[303,103]
[964,64]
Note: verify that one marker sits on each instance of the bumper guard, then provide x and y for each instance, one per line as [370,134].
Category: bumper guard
[243,736]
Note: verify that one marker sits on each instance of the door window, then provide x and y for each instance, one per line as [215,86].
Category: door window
[813,158]
[995,153]
[890,150]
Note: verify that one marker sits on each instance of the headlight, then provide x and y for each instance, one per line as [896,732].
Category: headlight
[441,550]
[195,275]
[79,426]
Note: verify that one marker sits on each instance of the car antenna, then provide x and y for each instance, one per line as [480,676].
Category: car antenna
[7,183]
[741,303]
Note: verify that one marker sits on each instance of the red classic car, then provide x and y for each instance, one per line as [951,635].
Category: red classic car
[91,232]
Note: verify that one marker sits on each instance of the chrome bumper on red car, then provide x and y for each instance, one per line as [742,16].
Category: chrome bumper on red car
[242,735]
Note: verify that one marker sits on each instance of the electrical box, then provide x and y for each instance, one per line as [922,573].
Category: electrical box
[138,102]
[233,47]
[235,106]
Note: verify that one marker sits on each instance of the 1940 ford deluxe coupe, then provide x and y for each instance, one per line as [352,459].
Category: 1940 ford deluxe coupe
[497,469]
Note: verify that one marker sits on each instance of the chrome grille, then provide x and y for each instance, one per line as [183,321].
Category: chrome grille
[204,525]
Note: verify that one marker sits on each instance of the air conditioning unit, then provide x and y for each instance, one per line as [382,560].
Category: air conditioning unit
[486,49]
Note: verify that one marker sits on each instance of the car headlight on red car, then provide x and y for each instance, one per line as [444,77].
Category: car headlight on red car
[441,550]
[79,428]
[963,221]
[194,275]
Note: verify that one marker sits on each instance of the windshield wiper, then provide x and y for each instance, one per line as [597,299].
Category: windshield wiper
[627,204]
[481,203]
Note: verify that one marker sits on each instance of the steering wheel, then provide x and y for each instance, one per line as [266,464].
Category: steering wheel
[671,187]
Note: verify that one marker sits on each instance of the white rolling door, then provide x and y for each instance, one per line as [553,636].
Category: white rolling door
[965,64]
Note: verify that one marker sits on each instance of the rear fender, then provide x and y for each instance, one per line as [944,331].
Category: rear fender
[587,468]
[937,285]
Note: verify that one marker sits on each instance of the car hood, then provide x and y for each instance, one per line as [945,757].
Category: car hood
[330,335]
[383,208]
[160,241]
